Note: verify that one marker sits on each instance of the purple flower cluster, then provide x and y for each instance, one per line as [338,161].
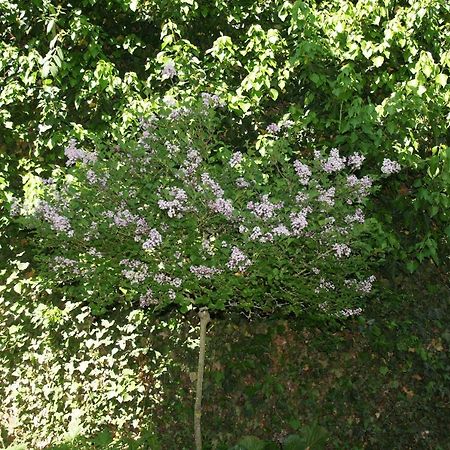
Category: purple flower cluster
[238,260]
[178,113]
[210,100]
[58,222]
[222,206]
[327,196]
[364,286]
[355,160]
[169,71]
[273,128]
[358,216]
[211,184]
[281,230]
[342,250]
[162,278]
[121,218]
[350,312]
[154,239]
[334,163]
[324,285]
[258,235]
[15,207]
[389,167]
[66,264]
[303,172]
[299,220]
[265,209]
[301,197]
[93,178]
[191,164]
[147,299]
[362,185]
[242,183]
[136,271]
[74,154]
[204,271]
[235,159]
[178,205]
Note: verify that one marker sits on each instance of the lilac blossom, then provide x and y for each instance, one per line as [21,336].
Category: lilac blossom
[265,209]
[74,154]
[273,128]
[301,197]
[142,229]
[222,206]
[15,207]
[58,222]
[242,183]
[364,286]
[211,184]
[342,250]
[210,100]
[303,172]
[299,220]
[281,230]
[177,205]
[258,235]
[242,229]
[154,239]
[235,159]
[204,271]
[362,185]
[358,216]
[169,71]
[178,113]
[95,253]
[191,164]
[350,312]
[238,260]
[147,299]
[136,271]
[123,217]
[355,160]
[324,285]
[208,247]
[288,123]
[66,264]
[327,196]
[334,163]
[172,149]
[389,167]
[162,278]
[93,178]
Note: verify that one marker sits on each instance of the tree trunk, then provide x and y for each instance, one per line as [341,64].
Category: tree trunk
[204,319]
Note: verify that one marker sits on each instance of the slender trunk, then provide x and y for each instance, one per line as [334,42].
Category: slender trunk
[204,319]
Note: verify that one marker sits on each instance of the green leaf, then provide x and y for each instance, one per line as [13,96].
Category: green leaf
[50,25]
[22,265]
[133,5]
[378,61]
[251,443]
[294,442]
[441,79]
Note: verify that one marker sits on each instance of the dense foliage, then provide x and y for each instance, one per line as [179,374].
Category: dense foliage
[289,209]
[179,219]
[365,76]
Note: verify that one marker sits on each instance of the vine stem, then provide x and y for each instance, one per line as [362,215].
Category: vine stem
[204,319]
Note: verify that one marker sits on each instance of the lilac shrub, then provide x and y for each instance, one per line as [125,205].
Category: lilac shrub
[180,219]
